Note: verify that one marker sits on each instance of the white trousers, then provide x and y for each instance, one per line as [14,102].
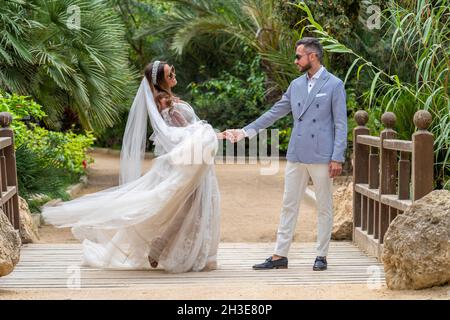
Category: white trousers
[296,180]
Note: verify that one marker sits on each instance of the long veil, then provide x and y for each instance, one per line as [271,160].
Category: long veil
[177,198]
[134,139]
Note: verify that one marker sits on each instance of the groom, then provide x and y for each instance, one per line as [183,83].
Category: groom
[316,147]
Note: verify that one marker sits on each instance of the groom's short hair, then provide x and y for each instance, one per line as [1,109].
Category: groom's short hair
[312,44]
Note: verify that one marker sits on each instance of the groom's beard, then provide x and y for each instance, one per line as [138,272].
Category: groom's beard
[305,68]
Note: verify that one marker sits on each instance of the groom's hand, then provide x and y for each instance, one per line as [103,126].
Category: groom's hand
[236,134]
[227,135]
[334,169]
[224,135]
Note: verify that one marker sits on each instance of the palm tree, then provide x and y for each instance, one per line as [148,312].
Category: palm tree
[255,24]
[14,44]
[68,68]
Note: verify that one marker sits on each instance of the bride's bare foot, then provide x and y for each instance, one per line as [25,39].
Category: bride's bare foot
[210,266]
[157,246]
[153,262]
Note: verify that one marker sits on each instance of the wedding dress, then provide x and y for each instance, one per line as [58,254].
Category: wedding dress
[171,212]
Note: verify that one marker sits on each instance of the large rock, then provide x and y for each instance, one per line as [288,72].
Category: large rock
[28,230]
[416,245]
[343,213]
[9,246]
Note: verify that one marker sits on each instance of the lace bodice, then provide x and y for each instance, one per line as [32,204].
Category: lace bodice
[180,114]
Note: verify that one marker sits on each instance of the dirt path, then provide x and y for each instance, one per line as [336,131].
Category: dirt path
[250,202]
[256,292]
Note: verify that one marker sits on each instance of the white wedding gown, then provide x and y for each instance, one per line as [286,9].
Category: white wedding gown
[171,212]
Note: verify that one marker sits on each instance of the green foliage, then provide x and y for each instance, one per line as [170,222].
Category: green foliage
[38,176]
[112,137]
[140,19]
[47,161]
[284,135]
[65,150]
[235,99]
[232,99]
[338,18]
[21,107]
[229,24]
[64,66]
[417,75]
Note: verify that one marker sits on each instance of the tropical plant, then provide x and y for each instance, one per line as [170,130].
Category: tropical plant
[227,24]
[40,180]
[139,17]
[47,162]
[65,150]
[238,91]
[69,55]
[418,38]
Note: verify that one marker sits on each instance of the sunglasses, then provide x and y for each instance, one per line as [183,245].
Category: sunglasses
[172,73]
[299,56]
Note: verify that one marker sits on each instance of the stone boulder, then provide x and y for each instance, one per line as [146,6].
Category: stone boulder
[343,212]
[28,230]
[416,251]
[9,246]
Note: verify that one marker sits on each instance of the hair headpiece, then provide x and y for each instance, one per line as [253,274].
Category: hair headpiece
[155,71]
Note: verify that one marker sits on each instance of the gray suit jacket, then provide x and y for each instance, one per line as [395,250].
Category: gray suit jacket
[319,134]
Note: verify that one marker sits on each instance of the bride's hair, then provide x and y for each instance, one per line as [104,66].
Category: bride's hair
[163,95]
[158,87]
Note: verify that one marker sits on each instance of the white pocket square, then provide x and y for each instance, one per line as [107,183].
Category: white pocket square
[320,95]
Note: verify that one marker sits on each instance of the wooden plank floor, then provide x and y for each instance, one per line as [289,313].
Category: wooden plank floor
[55,265]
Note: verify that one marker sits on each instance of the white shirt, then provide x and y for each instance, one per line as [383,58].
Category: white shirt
[310,81]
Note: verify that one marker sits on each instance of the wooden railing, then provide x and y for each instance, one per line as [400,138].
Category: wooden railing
[9,198]
[389,175]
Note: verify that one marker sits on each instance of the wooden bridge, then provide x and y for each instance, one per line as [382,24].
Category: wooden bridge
[381,191]
[58,266]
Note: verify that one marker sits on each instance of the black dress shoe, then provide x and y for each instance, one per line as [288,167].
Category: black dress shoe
[320,264]
[272,264]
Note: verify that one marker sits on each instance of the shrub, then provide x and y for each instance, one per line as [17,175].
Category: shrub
[66,150]
[47,161]
[36,176]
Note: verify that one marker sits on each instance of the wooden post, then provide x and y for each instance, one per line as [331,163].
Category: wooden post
[392,214]
[364,213]
[371,219]
[422,156]
[374,182]
[376,220]
[4,180]
[360,163]
[10,166]
[404,176]
[388,168]
[374,168]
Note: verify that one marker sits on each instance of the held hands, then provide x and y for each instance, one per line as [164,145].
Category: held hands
[221,135]
[224,135]
[233,135]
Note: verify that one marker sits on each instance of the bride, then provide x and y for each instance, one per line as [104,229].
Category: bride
[170,215]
